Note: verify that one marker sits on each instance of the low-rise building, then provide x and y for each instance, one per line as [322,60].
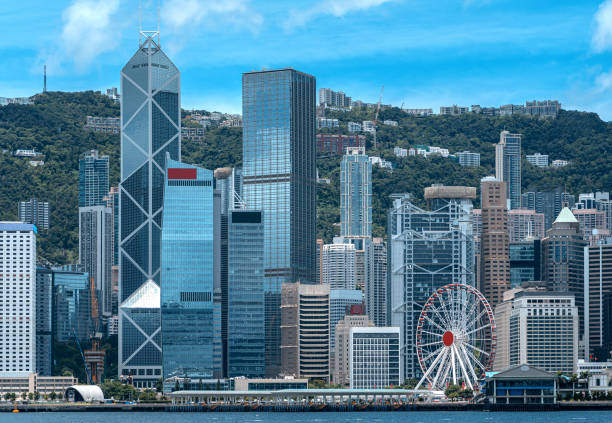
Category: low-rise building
[338,143]
[467,158]
[559,163]
[418,112]
[193,134]
[389,122]
[20,382]
[374,357]
[522,384]
[327,123]
[368,126]
[453,110]
[246,384]
[400,152]
[354,127]
[106,125]
[537,159]
[382,163]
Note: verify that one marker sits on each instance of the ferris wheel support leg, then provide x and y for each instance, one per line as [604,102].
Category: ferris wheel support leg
[433,365]
[440,367]
[464,372]
[464,352]
[454,366]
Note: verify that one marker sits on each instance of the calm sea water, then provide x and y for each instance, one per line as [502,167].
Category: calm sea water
[366,417]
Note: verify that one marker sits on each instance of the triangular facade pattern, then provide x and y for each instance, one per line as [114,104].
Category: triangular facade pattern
[150,127]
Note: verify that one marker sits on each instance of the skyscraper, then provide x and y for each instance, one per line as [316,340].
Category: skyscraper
[228,190]
[598,286]
[547,203]
[355,193]
[93,179]
[150,128]
[279,178]
[525,262]
[34,212]
[96,251]
[494,241]
[339,265]
[428,249]
[508,166]
[305,330]
[187,272]
[246,345]
[376,281]
[563,260]
[18,297]
[539,328]
[44,321]
[71,303]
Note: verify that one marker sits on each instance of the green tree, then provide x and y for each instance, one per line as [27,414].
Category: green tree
[24,395]
[53,396]
[452,391]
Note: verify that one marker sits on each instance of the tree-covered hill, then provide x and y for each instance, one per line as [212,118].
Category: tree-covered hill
[54,124]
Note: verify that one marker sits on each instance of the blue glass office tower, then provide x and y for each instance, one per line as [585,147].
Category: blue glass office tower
[508,166]
[279,178]
[93,179]
[150,128]
[245,343]
[355,193]
[187,272]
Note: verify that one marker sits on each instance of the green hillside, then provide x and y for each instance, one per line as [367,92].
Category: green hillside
[54,126]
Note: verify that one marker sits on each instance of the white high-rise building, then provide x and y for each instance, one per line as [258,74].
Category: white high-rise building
[18,297]
[374,357]
[339,265]
[539,328]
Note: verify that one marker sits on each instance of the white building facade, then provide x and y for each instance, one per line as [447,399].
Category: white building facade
[339,265]
[374,357]
[17,298]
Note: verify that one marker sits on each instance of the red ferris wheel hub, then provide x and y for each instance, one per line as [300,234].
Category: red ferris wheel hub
[448,338]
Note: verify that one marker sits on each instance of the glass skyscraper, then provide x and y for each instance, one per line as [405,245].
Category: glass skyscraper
[150,128]
[355,193]
[279,178]
[187,272]
[93,179]
[245,343]
[508,166]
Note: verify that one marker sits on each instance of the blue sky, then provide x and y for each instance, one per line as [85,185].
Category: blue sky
[426,53]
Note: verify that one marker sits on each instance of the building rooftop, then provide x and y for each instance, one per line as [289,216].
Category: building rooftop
[566,216]
[523,371]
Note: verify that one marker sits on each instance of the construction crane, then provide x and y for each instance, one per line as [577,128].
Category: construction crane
[377,111]
[76,338]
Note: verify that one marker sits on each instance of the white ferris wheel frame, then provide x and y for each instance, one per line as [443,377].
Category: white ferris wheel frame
[455,337]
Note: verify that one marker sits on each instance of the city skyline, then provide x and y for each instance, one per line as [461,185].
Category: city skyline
[455,61]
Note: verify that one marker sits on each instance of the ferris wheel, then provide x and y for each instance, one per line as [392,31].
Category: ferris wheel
[455,337]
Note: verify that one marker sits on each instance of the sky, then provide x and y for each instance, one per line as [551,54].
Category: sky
[426,53]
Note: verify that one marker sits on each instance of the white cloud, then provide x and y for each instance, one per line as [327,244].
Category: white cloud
[89,30]
[602,38]
[179,13]
[604,81]
[336,8]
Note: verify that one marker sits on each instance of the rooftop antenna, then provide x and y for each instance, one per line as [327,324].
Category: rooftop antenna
[45,78]
[139,23]
[158,21]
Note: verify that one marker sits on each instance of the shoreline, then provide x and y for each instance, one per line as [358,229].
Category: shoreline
[296,408]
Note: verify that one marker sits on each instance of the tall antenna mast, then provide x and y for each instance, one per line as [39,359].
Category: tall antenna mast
[158,21]
[45,79]
[139,23]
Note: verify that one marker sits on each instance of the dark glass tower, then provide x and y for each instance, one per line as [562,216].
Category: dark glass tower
[187,272]
[150,128]
[279,178]
[93,179]
[245,345]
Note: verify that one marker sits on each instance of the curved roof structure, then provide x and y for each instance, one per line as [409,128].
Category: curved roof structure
[86,393]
